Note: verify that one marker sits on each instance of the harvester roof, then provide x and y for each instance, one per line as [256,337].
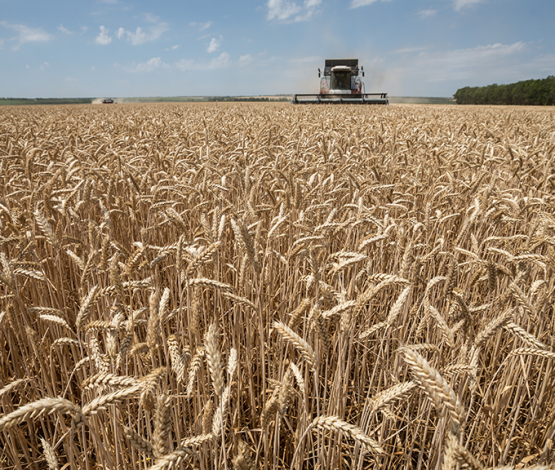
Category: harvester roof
[340,65]
[341,68]
[347,62]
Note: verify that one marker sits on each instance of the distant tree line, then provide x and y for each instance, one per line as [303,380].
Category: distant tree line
[528,92]
[24,101]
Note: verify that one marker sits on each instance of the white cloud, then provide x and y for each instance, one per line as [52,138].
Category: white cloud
[493,60]
[245,59]
[103,38]
[426,13]
[283,10]
[363,3]
[222,61]
[149,65]
[65,30]
[173,48]
[44,66]
[84,29]
[437,72]
[138,37]
[460,4]
[214,45]
[201,26]
[27,34]
[219,62]
[152,18]
[141,36]
[407,50]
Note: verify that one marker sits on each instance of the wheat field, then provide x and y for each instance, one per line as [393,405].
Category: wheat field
[264,286]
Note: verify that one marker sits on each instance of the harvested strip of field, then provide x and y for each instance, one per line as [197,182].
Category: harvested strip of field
[266,286]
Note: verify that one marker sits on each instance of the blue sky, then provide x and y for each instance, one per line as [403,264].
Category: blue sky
[121,48]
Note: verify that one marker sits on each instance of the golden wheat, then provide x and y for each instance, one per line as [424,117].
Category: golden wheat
[220,286]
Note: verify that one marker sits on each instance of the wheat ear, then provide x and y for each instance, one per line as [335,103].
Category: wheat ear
[214,359]
[435,386]
[196,362]
[139,442]
[172,460]
[101,403]
[333,423]
[49,455]
[37,408]
[397,392]
[299,343]
[162,425]
[522,334]
[12,385]
[243,459]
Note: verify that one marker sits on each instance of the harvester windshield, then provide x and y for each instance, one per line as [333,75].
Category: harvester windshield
[340,80]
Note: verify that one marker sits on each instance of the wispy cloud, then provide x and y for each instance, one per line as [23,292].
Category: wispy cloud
[214,45]
[427,13]
[149,17]
[492,60]
[408,50]
[144,67]
[140,36]
[219,62]
[149,65]
[65,30]
[103,37]
[460,4]
[246,59]
[363,3]
[283,10]
[27,34]
[156,63]
[173,48]
[201,26]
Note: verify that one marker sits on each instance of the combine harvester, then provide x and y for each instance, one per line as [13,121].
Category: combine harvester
[341,84]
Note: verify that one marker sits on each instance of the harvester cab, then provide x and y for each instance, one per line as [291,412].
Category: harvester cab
[341,83]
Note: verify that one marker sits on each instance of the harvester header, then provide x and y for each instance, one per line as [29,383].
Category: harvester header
[341,83]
